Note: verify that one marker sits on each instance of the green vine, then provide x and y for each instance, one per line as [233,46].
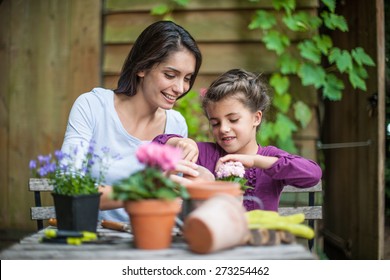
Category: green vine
[307,64]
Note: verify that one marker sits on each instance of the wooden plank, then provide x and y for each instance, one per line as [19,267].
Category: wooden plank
[43,213]
[142,5]
[250,56]
[292,189]
[311,212]
[5,66]
[204,26]
[40,184]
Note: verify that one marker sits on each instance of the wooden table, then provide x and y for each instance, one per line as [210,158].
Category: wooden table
[119,245]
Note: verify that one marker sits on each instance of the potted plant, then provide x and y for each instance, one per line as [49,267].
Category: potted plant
[75,188]
[151,198]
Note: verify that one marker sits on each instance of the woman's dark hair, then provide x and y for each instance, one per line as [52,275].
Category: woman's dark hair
[247,87]
[153,46]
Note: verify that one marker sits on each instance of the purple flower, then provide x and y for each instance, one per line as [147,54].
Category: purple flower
[33,164]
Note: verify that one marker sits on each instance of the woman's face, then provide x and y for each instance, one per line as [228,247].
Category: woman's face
[233,125]
[167,81]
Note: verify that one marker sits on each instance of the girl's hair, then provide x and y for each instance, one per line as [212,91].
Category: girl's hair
[247,87]
[153,46]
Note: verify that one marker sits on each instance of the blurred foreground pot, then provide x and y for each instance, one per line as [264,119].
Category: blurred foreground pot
[218,223]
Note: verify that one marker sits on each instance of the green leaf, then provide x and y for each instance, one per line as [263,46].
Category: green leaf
[279,83]
[302,113]
[182,2]
[288,64]
[357,81]
[323,42]
[301,22]
[331,4]
[266,133]
[287,5]
[282,102]
[276,41]
[342,59]
[309,50]
[287,145]
[333,21]
[333,87]
[312,75]
[361,57]
[284,127]
[160,10]
[263,20]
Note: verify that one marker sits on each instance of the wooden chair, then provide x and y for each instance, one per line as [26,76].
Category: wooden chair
[312,212]
[39,212]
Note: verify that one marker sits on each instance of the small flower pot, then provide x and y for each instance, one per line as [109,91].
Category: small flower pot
[77,213]
[152,222]
[200,191]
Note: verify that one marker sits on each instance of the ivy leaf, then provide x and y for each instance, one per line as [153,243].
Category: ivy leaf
[310,51]
[302,113]
[267,133]
[301,21]
[287,5]
[284,127]
[288,64]
[312,75]
[282,102]
[182,2]
[331,4]
[333,21]
[276,41]
[287,145]
[279,83]
[342,59]
[160,10]
[333,87]
[357,81]
[361,57]
[323,42]
[263,20]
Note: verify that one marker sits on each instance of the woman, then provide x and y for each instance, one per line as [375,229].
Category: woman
[160,68]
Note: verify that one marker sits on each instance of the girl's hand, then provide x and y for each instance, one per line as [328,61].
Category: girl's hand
[247,160]
[188,146]
[263,162]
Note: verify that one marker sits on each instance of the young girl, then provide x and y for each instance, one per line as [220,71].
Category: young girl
[234,105]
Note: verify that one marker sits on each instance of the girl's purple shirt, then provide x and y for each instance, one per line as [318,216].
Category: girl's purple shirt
[268,183]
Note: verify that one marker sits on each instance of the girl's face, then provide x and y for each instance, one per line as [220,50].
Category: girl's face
[167,81]
[234,126]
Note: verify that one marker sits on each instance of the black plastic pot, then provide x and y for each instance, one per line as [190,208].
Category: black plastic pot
[77,213]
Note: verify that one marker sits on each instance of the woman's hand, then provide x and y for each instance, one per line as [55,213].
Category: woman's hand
[187,172]
[188,146]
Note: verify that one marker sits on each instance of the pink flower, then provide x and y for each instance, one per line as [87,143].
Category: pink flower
[163,157]
[231,168]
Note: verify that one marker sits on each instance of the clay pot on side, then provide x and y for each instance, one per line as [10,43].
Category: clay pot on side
[152,221]
[219,223]
[200,191]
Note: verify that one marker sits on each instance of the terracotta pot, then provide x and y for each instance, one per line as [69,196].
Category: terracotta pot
[152,222]
[200,191]
[219,223]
